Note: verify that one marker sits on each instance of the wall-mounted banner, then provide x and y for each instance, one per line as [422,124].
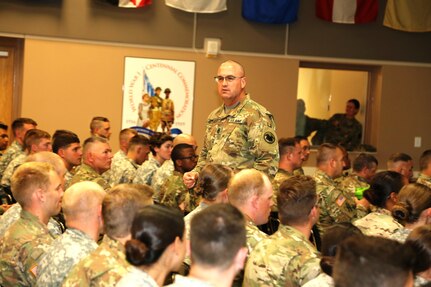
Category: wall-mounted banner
[158,94]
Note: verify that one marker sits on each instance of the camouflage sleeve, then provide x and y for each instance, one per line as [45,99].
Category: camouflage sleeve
[77,278]
[300,271]
[202,160]
[341,206]
[355,137]
[264,143]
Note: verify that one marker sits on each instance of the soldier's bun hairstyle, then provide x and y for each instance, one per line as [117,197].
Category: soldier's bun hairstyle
[213,179]
[154,228]
[412,200]
[334,235]
[381,187]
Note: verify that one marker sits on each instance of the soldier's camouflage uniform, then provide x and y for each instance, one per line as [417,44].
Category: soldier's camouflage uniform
[401,234]
[160,177]
[123,170]
[323,280]
[241,138]
[335,204]
[13,214]
[14,164]
[378,223]
[424,179]
[137,278]
[175,194]
[351,182]
[14,150]
[253,234]
[64,253]
[280,176]
[146,171]
[286,258]
[344,131]
[87,173]
[21,249]
[103,267]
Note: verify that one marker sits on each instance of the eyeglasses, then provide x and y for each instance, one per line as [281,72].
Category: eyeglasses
[228,79]
[190,157]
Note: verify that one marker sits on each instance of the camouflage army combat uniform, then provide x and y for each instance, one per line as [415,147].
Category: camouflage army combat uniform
[104,267]
[160,177]
[401,234]
[14,164]
[335,204]
[378,223]
[138,278]
[424,179]
[87,173]
[64,253]
[146,171]
[344,131]
[123,170]
[280,176]
[253,235]
[13,214]
[21,249]
[286,258]
[354,183]
[14,150]
[175,194]
[241,138]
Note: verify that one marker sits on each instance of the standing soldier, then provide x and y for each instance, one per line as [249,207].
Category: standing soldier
[168,112]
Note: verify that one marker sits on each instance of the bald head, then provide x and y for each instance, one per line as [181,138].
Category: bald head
[82,200]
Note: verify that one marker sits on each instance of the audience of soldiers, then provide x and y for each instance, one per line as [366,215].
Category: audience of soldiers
[81,216]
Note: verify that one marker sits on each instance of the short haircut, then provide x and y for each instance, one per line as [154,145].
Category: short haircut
[120,206]
[382,185]
[334,235]
[138,140]
[355,102]
[157,140]
[154,228]
[301,138]
[81,200]
[213,179]
[399,156]
[295,199]
[178,152]
[325,152]
[124,133]
[92,140]
[373,262]
[287,145]
[217,233]
[364,160]
[240,66]
[244,185]
[425,159]
[27,178]
[33,137]
[46,156]
[96,122]
[420,240]
[63,139]
[412,200]
[20,122]
[3,126]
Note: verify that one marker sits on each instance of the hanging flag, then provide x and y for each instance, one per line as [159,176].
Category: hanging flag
[133,3]
[270,11]
[147,87]
[198,6]
[410,16]
[347,11]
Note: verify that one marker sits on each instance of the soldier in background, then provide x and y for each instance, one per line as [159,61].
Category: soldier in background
[68,146]
[287,258]
[125,136]
[38,189]
[425,168]
[364,168]
[106,265]
[101,127]
[401,163]
[4,138]
[97,156]
[174,193]
[20,127]
[82,208]
[345,129]
[240,133]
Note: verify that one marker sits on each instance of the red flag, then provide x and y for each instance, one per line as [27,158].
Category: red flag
[133,3]
[347,11]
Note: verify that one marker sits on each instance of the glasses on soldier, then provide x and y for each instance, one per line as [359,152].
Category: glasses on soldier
[228,79]
[194,157]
